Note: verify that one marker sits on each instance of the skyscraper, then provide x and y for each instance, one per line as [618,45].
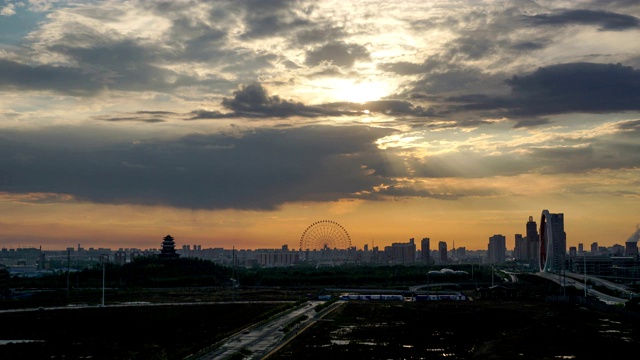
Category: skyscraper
[533,242]
[425,249]
[520,248]
[553,242]
[442,249]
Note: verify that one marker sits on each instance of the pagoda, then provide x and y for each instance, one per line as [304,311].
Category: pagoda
[168,248]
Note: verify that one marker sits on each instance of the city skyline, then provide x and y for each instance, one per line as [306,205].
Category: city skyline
[517,237]
[239,124]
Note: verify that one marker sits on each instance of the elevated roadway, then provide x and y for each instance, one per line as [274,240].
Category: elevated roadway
[577,281]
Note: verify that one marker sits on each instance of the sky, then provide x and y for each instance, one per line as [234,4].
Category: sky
[242,123]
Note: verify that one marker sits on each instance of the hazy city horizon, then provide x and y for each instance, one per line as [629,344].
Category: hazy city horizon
[634,236]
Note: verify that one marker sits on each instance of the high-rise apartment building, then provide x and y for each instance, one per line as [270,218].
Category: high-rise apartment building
[442,250]
[520,248]
[497,249]
[425,250]
[120,257]
[402,253]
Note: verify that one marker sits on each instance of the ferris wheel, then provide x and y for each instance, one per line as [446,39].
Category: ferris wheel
[323,241]
[325,235]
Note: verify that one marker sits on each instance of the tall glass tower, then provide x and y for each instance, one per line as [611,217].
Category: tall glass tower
[553,242]
[533,242]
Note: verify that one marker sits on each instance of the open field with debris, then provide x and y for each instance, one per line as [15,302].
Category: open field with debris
[466,330]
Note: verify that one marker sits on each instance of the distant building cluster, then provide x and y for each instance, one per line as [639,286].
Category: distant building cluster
[545,249]
[539,249]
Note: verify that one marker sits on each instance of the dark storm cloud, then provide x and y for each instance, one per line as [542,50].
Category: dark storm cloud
[473,47]
[444,74]
[337,53]
[66,80]
[479,46]
[319,35]
[253,101]
[259,169]
[561,89]
[270,18]
[127,65]
[404,191]
[120,66]
[526,46]
[576,87]
[600,154]
[201,42]
[454,80]
[133,119]
[140,116]
[387,107]
[604,19]
[526,123]
[404,68]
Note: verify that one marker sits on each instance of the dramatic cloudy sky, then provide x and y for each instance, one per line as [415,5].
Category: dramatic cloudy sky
[242,122]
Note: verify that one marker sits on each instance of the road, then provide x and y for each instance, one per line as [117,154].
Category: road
[258,340]
[577,281]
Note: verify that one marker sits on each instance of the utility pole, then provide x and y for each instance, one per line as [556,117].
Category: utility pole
[491,275]
[584,258]
[564,275]
[103,272]
[233,273]
[103,258]
[68,271]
